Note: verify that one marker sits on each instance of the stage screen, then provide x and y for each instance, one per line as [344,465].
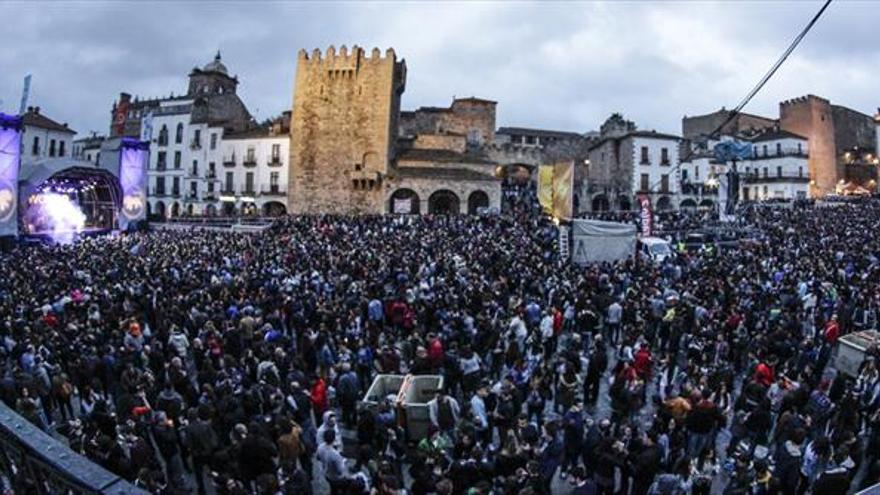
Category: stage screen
[10,151]
[132,180]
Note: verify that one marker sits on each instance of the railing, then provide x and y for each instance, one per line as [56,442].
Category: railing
[192,195]
[175,193]
[248,191]
[27,454]
[227,191]
[751,179]
[274,161]
[250,162]
[273,191]
[210,196]
[229,162]
[158,193]
[770,156]
[210,174]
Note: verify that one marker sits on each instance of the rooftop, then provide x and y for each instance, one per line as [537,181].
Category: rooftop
[774,134]
[538,132]
[34,118]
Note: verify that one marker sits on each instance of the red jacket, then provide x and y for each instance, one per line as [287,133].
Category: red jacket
[642,363]
[319,396]
[435,352]
[764,375]
[832,332]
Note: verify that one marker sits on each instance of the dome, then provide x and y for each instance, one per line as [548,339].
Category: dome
[216,65]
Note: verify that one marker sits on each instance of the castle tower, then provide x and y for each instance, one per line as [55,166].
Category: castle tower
[810,116]
[343,129]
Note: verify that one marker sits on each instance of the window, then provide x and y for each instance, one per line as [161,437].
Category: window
[197,138]
[210,170]
[249,182]
[273,181]
[473,137]
[176,160]
[35,149]
[645,183]
[276,153]
[213,140]
[754,153]
[60,148]
[160,186]
[684,175]
[778,171]
[778,149]
[175,187]
[229,181]
[765,192]
[530,139]
[195,169]
[748,170]
[644,160]
[251,155]
[52,147]
[765,172]
[664,182]
[178,137]
[800,149]
[192,188]
[697,172]
[664,156]
[161,161]
[765,150]
[163,135]
[210,187]
[800,171]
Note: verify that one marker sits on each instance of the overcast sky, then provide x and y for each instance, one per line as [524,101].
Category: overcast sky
[563,66]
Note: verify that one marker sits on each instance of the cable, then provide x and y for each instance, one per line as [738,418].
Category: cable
[745,101]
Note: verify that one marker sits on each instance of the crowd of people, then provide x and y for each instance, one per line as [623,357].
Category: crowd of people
[215,362]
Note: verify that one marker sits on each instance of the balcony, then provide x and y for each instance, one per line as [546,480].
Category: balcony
[209,196]
[274,161]
[195,144]
[229,162]
[228,191]
[790,153]
[250,162]
[248,191]
[210,174]
[160,167]
[644,161]
[192,195]
[665,162]
[272,191]
[194,173]
[158,192]
[754,179]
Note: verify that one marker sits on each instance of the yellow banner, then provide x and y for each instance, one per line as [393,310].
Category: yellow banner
[545,187]
[563,190]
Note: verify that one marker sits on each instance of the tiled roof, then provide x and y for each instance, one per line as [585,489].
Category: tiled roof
[35,119]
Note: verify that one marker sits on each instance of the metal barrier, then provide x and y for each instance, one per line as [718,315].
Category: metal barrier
[50,467]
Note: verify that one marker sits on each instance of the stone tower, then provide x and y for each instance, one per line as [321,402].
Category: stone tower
[811,117]
[343,129]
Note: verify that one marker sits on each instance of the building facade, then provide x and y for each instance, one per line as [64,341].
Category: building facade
[88,148]
[778,168]
[625,163]
[43,137]
[352,151]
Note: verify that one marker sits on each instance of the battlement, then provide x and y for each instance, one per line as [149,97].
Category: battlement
[343,58]
[804,99]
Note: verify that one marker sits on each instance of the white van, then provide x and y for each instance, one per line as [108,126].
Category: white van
[654,249]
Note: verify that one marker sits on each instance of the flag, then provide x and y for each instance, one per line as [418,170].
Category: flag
[25,93]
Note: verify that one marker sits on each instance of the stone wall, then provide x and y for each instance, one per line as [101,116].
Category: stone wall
[811,117]
[343,129]
[450,142]
[464,116]
[702,125]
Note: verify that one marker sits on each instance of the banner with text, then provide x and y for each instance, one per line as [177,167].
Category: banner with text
[646,215]
[10,154]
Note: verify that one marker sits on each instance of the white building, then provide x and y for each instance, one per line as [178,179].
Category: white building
[253,178]
[43,137]
[88,148]
[655,162]
[778,167]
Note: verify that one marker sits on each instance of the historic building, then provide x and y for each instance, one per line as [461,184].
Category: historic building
[186,134]
[626,162]
[88,148]
[43,137]
[353,151]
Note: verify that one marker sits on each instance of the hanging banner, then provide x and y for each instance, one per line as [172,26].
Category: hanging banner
[563,190]
[133,156]
[545,187]
[646,215]
[10,155]
[147,127]
[403,206]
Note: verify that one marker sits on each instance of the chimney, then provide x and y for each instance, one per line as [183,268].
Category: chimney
[30,109]
[37,110]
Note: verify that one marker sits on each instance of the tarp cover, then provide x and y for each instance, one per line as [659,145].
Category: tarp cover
[597,241]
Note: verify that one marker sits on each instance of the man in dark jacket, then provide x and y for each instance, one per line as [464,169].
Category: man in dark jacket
[257,454]
[202,441]
[645,463]
[596,368]
[348,388]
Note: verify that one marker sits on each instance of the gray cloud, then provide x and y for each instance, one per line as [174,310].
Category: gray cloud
[559,65]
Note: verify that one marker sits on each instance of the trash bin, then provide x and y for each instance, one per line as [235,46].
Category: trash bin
[416,392]
[383,386]
[852,350]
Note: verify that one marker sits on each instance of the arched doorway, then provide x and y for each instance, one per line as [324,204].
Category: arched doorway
[600,203]
[228,209]
[707,203]
[624,203]
[477,200]
[664,203]
[274,209]
[687,204]
[160,210]
[211,210]
[404,201]
[175,209]
[444,202]
[189,209]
